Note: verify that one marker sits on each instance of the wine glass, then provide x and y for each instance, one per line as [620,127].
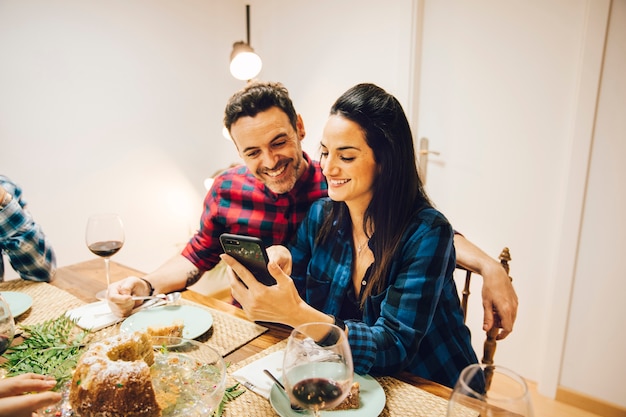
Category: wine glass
[7,325]
[317,366]
[490,390]
[104,237]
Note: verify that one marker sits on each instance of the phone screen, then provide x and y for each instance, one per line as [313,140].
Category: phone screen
[250,252]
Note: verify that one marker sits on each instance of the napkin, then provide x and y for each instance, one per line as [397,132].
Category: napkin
[94,316]
[252,377]
[98,315]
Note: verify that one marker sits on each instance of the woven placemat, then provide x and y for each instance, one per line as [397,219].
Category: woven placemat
[49,302]
[403,399]
[227,334]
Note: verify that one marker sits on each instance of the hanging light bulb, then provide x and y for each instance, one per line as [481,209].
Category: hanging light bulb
[244,63]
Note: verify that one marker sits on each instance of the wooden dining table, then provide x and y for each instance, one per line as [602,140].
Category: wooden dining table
[83,280]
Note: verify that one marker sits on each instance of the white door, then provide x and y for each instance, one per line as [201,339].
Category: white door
[595,342]
[500,93]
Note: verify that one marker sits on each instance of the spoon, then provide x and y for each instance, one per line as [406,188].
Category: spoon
[294,407]
[170,298]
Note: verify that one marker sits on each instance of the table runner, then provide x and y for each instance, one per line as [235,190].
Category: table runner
[403,399]
[227,334]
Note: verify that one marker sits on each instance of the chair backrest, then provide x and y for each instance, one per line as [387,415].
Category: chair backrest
[489,346]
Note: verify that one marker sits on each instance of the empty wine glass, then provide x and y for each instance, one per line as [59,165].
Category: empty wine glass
[7,325]
[104,237]
[317,366]
[490,391]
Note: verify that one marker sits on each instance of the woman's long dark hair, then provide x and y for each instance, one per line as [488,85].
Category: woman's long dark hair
[398,192]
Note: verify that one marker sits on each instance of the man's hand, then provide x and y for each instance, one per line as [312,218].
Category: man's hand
[499,300]
[120,292]
[174,275]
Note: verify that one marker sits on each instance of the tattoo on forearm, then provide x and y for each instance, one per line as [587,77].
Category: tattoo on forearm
[193,277]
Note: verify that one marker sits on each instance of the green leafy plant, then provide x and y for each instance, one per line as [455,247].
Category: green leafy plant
[229,394]
[49,348]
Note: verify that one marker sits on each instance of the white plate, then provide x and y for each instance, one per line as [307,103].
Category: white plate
[372,399]
[196,320]
[18,302]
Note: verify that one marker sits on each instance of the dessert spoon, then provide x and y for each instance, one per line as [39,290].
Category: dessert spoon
[279,384]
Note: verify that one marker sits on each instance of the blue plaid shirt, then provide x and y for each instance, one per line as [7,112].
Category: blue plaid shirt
[29,252]
[416,323]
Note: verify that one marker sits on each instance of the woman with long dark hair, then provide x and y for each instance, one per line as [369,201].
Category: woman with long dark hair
[375,257]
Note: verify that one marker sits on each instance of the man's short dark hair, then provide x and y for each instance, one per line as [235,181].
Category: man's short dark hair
[257,97]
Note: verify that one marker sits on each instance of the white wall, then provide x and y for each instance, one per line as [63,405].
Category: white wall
[319,49]
[116,106]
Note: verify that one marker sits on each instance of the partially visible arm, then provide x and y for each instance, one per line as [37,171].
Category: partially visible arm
[15,403]
[499,299]
[23,240]
[176,274]
[200,254]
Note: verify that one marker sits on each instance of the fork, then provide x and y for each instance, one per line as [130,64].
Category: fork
[154,302]
[249,385]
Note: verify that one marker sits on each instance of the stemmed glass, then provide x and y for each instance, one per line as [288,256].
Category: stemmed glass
[7,325]
[104,237]
[317,366]
[490,390]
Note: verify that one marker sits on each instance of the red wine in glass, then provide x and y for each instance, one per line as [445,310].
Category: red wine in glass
[106,249]
[104,237]
[318,393]
[317,366]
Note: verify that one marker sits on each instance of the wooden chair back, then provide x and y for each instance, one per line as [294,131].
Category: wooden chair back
[489,346]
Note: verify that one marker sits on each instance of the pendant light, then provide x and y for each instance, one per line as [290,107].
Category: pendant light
[244,63]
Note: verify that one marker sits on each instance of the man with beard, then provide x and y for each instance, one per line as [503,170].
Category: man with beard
[269,196]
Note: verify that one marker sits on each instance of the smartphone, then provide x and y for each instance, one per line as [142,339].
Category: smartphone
[250,252]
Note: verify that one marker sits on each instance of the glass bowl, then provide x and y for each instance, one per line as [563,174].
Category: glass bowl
[189,379]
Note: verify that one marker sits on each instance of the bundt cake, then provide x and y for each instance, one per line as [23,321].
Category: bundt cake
[112,378]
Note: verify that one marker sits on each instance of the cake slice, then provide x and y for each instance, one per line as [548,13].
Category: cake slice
[352,401]
[173,330]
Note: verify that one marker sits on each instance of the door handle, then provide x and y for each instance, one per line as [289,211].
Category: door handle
[422,158]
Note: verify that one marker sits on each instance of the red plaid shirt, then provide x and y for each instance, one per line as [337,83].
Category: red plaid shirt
[239,203]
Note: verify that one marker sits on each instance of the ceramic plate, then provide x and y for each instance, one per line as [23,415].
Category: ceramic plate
[196,320]
[372,401]
[18,302]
